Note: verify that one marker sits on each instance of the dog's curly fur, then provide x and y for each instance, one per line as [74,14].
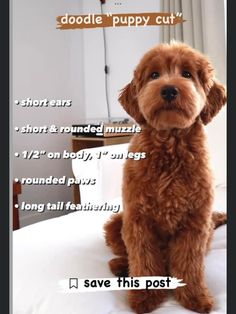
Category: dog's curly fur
[167,222]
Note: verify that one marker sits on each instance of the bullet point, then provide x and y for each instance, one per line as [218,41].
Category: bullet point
[16,102]
[16,205]
[17,154]
[17,129]
[16,180]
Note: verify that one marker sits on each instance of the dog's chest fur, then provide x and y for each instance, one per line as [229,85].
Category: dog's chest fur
[166,185]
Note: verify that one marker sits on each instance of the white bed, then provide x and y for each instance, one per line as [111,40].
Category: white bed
[73,246]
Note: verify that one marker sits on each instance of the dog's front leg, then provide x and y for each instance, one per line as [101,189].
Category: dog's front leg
[187,251]
[144,259]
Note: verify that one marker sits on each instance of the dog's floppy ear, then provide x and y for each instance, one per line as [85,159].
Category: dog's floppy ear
[128,100]
[216,98]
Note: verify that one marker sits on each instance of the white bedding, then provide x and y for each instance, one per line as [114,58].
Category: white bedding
[73,246]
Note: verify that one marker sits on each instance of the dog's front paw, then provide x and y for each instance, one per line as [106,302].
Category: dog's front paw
[119,266]
[199,300]
[145,301]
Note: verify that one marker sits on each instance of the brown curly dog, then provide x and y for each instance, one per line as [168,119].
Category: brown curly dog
[167,222]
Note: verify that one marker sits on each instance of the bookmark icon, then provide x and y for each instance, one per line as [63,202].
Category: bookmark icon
[73,283]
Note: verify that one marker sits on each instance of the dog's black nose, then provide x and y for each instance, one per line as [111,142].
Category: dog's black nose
[169,92]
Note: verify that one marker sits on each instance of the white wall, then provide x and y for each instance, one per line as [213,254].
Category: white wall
[125,47]
[54,64]
[215,47]
[47,63]
[214,31]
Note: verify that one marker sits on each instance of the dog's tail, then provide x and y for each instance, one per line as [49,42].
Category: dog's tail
[219,219]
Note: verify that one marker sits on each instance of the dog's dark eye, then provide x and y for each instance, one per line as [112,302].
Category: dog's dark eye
[154,75]
[186,74]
